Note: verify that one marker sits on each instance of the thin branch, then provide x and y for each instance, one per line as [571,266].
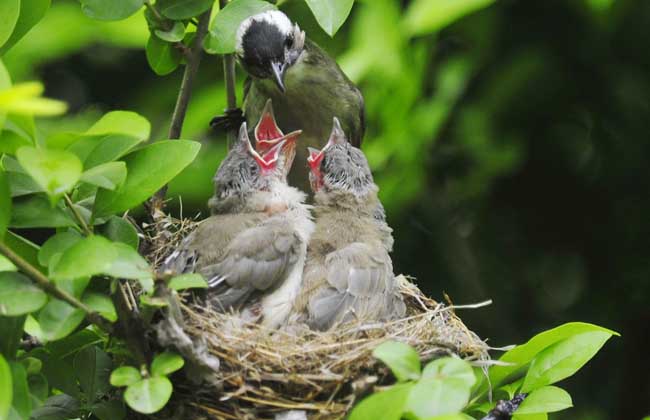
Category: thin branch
[46,285]
[77,215]
[130,327]
[191,69]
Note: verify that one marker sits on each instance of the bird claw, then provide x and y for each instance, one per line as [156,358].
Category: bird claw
[232,119]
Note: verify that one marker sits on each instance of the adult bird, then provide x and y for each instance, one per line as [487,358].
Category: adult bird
[307,86]
[348,274]
[252,249]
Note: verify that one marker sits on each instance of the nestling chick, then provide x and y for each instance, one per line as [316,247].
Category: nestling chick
[348,274]
[252,249]
[306,85]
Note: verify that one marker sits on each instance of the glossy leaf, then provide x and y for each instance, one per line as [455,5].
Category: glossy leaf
[9,12]
[31,12]
[523,354]
[128,264]
[6,388]
[187,281]
[183,9]
[109,410]
[166,363]
[330,14]
[109,175]
[109,148]
[26,249]
[36,211]
[450,368]
[401,358]
[58,407]
[148,170]
[163,57]
[58,319]
[21,402]
[538,416]
[57,244]
[426,16]
[56,171]
[110,10]
[223,29]
[563,359]
[25,99]
[6,265]
[547,399]
[148,395]
[93,367]
[101,304]
[39,389]
[5,204]
[175,34]
[18,295]
[88,257]
[385,405]
[125,376]
[122,122]
[118,229]
[11,331]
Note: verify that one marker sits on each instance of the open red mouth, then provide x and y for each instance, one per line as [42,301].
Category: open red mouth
[268,160]
[267,131]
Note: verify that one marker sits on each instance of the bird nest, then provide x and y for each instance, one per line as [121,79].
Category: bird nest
[256,373]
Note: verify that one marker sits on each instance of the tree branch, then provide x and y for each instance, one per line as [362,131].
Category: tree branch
[46,285]
[156,202]
[76,215]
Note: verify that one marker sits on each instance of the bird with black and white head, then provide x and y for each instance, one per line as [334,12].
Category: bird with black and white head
[348,275]
[253,247]
[307,86]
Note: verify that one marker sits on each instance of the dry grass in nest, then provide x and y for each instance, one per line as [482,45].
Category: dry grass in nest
[263,372]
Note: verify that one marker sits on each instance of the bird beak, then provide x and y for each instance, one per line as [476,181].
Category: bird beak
[267,132]
[278,74]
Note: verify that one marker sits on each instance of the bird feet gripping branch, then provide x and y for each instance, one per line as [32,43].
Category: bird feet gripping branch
[231,120]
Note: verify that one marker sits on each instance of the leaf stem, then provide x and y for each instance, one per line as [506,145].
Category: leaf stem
[229,79]
[183,99]
[47,286]
[77,215]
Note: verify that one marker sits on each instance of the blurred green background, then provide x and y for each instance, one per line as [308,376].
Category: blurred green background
[510,140]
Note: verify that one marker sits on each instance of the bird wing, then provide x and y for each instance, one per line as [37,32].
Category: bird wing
[359,284]
[256,260]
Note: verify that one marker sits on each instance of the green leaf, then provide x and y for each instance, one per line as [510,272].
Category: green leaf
[148,170]
[57,244]
[444,388]
[101,304]
[128,264]
[56,171]
[122,122]
[110,10]
[121,230]
[426,16]
[109,175]
[163,57]
[88,257]
[36,211]
[24,98]
[5,82]
[175,34]
[93,367]
[538,416]
[166,363]
[187,281]
[384,405]
[9,11]
[109,148]
[330,14]
[5,204]
[6,265]
[58,407]
[125,376]
[58,370]
[183,9]
[58,319]
[68,346]
[31,12]
[11,331]
[523,354]
[18,295]
[21,402]
[401,358]
[223,30]
[511,389]
[32,365]
[6,388]
[148,395]
[547,399]
[38,389]
[563,359]
[21,246]
[109,410]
